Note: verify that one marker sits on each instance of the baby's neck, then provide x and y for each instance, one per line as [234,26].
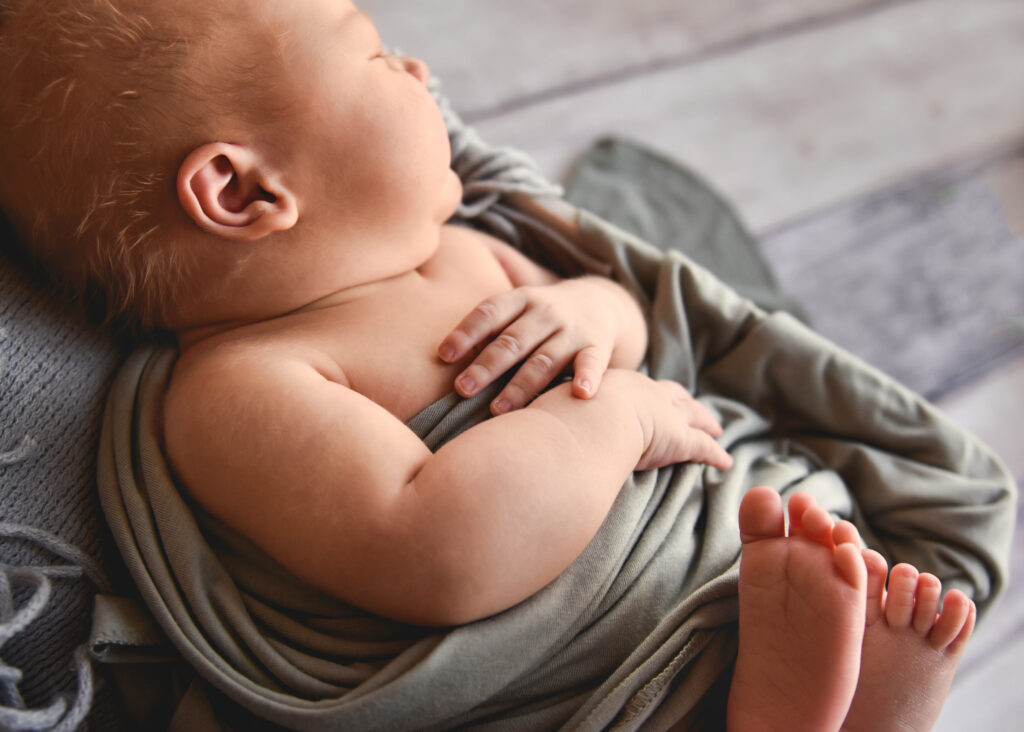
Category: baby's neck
[191,335]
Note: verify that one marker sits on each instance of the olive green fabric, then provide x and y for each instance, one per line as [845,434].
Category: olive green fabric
[640,630]
[662,202]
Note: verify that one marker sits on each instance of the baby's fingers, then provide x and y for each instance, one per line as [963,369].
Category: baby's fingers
[708,452]
[588,370]
[704,419]
[697,415]
[703,429]
[680,444]
[697,446]
[536,373]
[489,317]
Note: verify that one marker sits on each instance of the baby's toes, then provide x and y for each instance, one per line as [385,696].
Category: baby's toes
[815,524]
[926,602]
[877,570]
[847,555]
[796,504]
[845,533]
[899,600]
[954,625]
[761,515]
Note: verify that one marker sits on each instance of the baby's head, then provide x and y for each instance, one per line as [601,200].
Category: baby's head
[151,150]
[97,100]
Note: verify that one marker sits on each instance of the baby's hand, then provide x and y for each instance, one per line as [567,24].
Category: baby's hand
[547,328]
[676,427]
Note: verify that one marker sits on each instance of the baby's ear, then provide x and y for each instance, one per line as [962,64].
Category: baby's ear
[227,190]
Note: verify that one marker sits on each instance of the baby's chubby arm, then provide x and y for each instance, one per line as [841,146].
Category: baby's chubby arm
[548,324]
[345,496]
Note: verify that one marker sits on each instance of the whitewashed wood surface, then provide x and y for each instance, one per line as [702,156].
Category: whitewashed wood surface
[787,117]
[863,140]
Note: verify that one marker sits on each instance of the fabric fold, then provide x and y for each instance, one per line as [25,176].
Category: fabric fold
[640,630]
[644,618]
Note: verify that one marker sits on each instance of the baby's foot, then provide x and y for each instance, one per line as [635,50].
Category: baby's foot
[802,606]
[910,650]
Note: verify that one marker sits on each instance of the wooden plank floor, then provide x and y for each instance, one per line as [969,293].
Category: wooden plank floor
[986,692]
[864,141]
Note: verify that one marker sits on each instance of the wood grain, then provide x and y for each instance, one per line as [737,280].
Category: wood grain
[992,407]
[502,54]
[924,279]
[799,123]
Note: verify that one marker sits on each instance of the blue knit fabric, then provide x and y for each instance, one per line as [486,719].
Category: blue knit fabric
[55,370]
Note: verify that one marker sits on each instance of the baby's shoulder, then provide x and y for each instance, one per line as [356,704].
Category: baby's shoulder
[218,360]
[224,372]
[226,400]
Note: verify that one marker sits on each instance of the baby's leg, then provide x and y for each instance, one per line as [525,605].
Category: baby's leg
[910,651]
[802,604]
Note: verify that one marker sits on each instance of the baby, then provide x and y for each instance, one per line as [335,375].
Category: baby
[263,181]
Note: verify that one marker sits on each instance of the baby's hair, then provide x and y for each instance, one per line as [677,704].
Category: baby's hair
[103,100]
[93,86]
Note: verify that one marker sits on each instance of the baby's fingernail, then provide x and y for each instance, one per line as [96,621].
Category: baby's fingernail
[585,386]
[502,405]
[447,352]
[467,383]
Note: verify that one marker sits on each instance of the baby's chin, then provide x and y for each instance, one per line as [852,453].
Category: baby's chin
[452,195]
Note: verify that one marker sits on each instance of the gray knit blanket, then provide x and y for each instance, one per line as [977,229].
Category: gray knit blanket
[640,630]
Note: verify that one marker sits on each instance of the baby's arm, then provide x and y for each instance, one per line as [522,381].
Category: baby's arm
[548,324]
[344,495]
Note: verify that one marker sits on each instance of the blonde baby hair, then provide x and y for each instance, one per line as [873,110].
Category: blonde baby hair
[101,100]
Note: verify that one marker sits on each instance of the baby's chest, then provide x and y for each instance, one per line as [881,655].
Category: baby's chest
[390,354]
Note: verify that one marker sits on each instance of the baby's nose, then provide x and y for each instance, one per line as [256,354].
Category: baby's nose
[415,67]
